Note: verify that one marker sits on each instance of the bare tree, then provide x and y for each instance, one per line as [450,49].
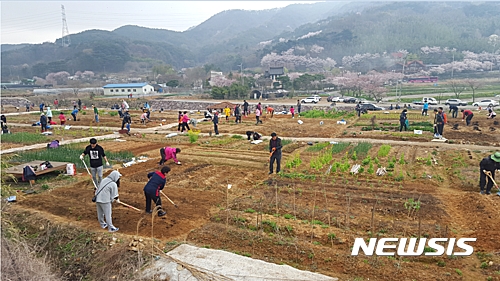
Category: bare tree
[473,84]
[457,86]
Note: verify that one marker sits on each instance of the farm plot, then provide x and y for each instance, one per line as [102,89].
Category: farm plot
[386,126]
[308,215]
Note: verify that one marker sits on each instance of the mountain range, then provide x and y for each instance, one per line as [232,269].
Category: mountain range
[235,37]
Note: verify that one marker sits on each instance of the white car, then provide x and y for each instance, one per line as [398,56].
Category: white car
[309,100]
[318,98]
[486,103]
[455,102]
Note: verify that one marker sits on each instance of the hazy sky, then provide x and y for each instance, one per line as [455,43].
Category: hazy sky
[41,21]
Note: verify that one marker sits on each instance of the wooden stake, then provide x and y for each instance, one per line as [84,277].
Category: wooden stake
[312,218]
[373,213]
[276,185]
[348,210]
[419,225]
[294,195]
[227,205]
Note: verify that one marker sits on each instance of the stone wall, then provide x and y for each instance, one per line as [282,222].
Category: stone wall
[21,102]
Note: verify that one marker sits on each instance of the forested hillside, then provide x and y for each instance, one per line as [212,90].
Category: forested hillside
[329,32]
[401,25]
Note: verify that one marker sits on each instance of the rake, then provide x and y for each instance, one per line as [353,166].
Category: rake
[488,173]
[169,199]
[89,174]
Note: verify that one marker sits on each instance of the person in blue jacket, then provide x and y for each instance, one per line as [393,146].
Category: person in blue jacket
[152,189]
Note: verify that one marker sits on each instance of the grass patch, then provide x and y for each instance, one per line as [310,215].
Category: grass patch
[67,153]
[339,147]
[238,137]
[317,147]
[332,114]
[383,151]
[24,137]
[193,136]
[361,149]
[297,176]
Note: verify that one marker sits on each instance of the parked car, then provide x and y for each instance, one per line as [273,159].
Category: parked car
[497,96]
[332,99]
[456,102]
[309,100]
[486,103]
[318,98]
[431,101]
[370,107]
[350,100]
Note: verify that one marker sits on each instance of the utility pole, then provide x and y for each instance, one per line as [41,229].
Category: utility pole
[241,72]
[452,65]
[65,41]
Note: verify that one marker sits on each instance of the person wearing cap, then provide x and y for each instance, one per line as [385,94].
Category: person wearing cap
[96,154]
[490,163]
[275,151]
[156,183]
[215,120]
[105,194]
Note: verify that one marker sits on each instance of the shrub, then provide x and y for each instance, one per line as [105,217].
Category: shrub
[384,150]
[249,210]
[193,136]
[294,162]
[113,113]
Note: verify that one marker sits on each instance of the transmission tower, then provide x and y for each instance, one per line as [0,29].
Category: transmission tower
[65,41]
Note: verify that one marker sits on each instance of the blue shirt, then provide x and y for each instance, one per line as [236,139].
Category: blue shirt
[75,111]
[426,105]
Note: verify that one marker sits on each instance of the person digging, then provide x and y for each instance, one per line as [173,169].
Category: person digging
[275,153]
[153,188]
[105,195]
[488,164]
[96,154]
[168,153]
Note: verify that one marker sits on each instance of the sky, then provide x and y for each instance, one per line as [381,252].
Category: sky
[41,21]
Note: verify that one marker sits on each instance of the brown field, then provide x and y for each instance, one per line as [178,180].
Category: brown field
[309,215]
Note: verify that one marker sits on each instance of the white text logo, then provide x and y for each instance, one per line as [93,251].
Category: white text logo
[409,247]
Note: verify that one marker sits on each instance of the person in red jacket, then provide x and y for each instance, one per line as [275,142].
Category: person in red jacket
[168,153]
[467,115]
[152,189]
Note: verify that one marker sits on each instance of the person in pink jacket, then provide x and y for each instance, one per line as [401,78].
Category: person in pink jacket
[168,153]
[185,120]
[292,111]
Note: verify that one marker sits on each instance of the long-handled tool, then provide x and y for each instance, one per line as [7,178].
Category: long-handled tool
[488,173]
[89,174]
[127,205]
[169,199]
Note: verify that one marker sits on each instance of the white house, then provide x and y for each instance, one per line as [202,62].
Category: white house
[127,89]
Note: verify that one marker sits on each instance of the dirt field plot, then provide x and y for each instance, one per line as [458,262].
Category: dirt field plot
[309,215]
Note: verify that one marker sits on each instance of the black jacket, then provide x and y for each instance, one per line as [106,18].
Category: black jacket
[126,118]
[488,164]
[216,119]
[43,119]
[275,144]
